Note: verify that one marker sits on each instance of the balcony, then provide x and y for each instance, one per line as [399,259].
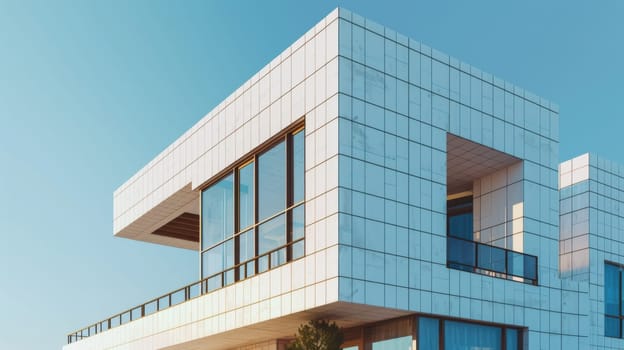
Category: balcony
[188,292]
[492,261]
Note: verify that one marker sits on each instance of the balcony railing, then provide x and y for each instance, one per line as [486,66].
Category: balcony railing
[263,262]
[466,255]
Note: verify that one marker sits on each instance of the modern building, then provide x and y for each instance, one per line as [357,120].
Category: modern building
[364,178]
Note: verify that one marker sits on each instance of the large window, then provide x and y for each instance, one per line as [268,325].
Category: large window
[459,218]
[253,217]
[613,300]
[428,333]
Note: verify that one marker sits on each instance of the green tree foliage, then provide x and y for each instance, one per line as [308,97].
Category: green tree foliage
[317,335]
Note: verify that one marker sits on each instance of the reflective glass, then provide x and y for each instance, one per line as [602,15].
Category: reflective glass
[278,257]
[374,50]
[228,277]
[246,196]
[530,267]
[401,343]
[491,258]
[298,222]
[440,78]
[612,290]
[214,283]
[217,212]
[298,250]
[298,166]
[461,335]
[428,334]
[246,245]
[263,263]
[460,226]
[272,234]
[515,264]
[512,339]
[218,258]
[272,181]
[613,327]
[461,254]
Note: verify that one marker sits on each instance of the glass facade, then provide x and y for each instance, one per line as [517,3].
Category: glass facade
[428,333]
[462,335]
[613,300]
[253,218]
[460,218]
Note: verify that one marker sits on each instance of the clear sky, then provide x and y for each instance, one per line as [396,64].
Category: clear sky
[90,91]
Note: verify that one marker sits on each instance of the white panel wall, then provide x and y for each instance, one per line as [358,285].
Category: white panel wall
[499,208]
[398,100]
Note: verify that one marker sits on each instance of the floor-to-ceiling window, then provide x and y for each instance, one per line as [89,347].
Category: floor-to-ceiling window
[253,217]
[459,229]
[432,333]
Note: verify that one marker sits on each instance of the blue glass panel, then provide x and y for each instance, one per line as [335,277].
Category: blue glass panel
[460,253]
[278,257]
[298,222]
[272,234]
[402,343]
[272,181]
[428,334]
[530,267]
[491,258]
[515,263]
[298,250]
[218,258]
[460,226]
[263,263]
[211,261]
[214,283]
[512,339]
[246,196]
[246,244]
[612,290]
[217,212]
[461,335]
[613,327]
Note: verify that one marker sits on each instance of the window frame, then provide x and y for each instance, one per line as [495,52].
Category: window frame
[252,157]
[364,336]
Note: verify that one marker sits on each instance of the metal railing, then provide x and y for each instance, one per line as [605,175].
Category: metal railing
[467,255]
[241,271]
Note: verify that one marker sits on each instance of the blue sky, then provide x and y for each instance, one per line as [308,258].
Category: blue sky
[90,91]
